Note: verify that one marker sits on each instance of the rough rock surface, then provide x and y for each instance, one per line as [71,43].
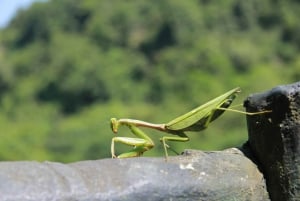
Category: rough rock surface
[275,139]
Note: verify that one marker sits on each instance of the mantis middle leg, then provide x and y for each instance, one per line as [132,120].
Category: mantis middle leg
[182,137]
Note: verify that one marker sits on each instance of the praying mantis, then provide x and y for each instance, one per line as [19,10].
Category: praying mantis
[196,120]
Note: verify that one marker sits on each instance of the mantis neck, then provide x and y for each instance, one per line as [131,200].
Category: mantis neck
[139,123]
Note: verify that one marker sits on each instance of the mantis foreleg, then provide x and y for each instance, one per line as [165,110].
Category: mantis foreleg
[141,144]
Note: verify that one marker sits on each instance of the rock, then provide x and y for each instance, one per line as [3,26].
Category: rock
[275,139]
[195,175]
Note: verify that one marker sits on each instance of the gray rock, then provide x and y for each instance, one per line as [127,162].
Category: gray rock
[195,175]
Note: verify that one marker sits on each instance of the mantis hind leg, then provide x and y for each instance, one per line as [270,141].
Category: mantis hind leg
[213,112]
[247,113]
[181,138]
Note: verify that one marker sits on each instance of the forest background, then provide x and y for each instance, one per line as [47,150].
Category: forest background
[68,66]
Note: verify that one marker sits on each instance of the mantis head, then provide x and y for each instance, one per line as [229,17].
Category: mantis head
[114,124]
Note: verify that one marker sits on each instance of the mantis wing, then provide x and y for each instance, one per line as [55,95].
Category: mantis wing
[200,117]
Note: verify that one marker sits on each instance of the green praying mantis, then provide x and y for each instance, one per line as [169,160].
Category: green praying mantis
[195,120]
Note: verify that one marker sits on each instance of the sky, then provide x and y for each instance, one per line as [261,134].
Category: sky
[8,8]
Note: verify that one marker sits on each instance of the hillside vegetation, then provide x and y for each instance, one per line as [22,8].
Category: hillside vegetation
[68,66]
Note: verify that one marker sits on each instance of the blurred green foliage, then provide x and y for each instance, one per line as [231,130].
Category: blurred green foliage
[68,66]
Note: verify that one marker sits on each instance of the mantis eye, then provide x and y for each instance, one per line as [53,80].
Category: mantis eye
[114,124]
